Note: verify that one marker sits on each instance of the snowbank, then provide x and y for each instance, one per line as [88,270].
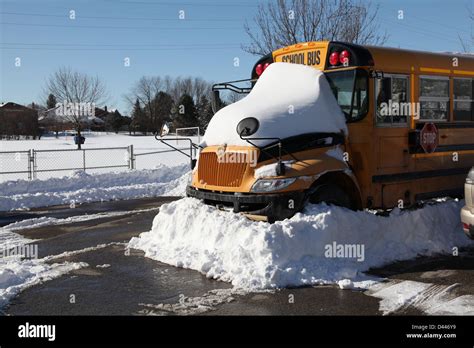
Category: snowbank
[299,251]
[81,187]
[288,99]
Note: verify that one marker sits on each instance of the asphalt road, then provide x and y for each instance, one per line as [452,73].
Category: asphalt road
[135,285]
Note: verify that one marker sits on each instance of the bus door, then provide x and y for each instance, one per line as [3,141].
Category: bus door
[391,126]
[445,167]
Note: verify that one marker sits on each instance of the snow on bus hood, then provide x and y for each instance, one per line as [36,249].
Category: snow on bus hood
[281,89]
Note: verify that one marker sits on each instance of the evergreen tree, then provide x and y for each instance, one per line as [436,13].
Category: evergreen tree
[139,121]
[115,121]
[163,103]
[185,113]
[51,102]
[205,113]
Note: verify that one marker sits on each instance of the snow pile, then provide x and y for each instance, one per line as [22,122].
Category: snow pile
[309,248]
[81,187]
[288,99]
[177,187]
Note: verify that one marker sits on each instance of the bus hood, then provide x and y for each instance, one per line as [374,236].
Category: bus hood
[288,100]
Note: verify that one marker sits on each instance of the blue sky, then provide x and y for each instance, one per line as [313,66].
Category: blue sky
[42,35]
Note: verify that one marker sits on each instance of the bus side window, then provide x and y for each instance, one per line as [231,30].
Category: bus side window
[392,108]
[434,98]
[463,99]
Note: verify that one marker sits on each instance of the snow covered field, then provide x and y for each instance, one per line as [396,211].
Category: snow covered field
[93,140]
[73,159]
[156,175]
[300,251]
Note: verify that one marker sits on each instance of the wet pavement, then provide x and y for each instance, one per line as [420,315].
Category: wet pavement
[127,283]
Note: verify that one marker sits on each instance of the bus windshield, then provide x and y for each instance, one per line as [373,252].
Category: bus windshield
[350,89]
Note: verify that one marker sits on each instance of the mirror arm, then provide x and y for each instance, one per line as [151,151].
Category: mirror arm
[191,145]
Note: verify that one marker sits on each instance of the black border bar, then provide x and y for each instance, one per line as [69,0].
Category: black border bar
[222,330]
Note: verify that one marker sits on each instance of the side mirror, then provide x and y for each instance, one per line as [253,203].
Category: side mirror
[164,130]
[215,102]
[247,127]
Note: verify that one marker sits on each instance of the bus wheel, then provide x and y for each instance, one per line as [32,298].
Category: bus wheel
[331,194]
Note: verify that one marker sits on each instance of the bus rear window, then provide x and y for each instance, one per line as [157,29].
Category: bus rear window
[350,89]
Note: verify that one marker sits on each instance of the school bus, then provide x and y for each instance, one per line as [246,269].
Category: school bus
[410,120]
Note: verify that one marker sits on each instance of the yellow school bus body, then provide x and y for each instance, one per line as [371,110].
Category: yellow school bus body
[386,165]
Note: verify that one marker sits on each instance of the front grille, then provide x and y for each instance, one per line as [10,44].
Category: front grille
[213,172]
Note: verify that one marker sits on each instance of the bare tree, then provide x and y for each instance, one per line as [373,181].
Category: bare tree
[286,22]
[78,94]
[466,46]
[146,91]
[149,92]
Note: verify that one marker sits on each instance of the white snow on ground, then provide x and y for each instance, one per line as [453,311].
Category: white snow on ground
[105,265]
[141,144]
[81,187]
[193,305]
[73,159]
[177,187]
[50,221]
[256,255]
[12,239]
[427,297]
[80,251]
[17,273]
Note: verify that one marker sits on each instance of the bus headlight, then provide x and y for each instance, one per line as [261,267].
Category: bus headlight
[268,185]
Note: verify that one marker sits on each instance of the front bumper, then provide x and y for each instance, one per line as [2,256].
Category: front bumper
[272,206]
[467,217]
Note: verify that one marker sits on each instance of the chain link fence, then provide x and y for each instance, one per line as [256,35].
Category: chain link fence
[16,165]
[40,164]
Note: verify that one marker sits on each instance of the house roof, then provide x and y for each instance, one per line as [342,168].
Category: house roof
[13,105]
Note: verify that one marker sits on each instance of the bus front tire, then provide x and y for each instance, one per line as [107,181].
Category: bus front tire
[331,194]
